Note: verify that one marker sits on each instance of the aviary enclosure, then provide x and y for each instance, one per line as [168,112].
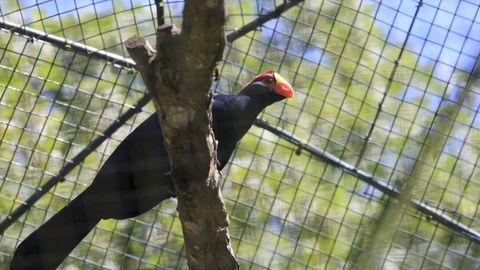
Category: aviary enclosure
[373,164]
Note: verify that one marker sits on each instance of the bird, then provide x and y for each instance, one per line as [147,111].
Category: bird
[136,177]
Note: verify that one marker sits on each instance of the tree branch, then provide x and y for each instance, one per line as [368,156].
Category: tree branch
[178,74]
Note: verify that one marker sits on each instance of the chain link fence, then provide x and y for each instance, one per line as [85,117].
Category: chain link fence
[373,164]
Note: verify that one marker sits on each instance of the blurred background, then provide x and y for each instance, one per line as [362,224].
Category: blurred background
[373,164]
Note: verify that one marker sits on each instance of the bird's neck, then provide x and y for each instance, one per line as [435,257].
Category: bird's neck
[254,106]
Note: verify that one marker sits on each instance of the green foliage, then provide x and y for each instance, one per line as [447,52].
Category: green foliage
[288,210]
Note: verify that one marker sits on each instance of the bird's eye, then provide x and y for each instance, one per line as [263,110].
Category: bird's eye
[268,80]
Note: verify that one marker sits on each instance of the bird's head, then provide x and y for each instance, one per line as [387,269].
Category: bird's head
[269,84]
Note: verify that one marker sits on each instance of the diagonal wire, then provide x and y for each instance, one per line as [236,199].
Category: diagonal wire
[116,60]
[71,164]
[68,45]
[372,180]
[262,19]
[388,85]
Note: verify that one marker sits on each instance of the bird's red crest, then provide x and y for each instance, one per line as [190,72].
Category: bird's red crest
[275,82]
[268,74]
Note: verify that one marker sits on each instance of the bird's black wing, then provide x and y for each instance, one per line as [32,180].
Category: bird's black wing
[136,176]
[134,179]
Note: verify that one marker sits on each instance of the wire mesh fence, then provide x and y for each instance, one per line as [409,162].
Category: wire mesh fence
[373,164]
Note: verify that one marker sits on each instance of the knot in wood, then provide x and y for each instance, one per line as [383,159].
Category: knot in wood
[179,117]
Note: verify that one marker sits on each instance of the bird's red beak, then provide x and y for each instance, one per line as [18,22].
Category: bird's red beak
[282,87]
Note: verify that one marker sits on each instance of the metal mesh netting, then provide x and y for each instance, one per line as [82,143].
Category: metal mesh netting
[374,163]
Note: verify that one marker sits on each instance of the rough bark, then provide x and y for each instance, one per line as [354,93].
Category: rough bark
[178,74]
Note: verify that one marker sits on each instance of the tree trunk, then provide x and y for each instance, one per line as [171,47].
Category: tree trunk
[178,74]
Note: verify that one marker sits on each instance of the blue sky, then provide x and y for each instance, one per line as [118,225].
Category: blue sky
[445,33]
[445,30]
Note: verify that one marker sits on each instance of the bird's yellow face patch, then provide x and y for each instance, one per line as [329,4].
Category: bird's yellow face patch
[282,87]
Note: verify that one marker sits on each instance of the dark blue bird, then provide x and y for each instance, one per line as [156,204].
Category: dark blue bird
[135,177]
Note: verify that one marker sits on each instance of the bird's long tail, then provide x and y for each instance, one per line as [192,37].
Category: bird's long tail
[49,245]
